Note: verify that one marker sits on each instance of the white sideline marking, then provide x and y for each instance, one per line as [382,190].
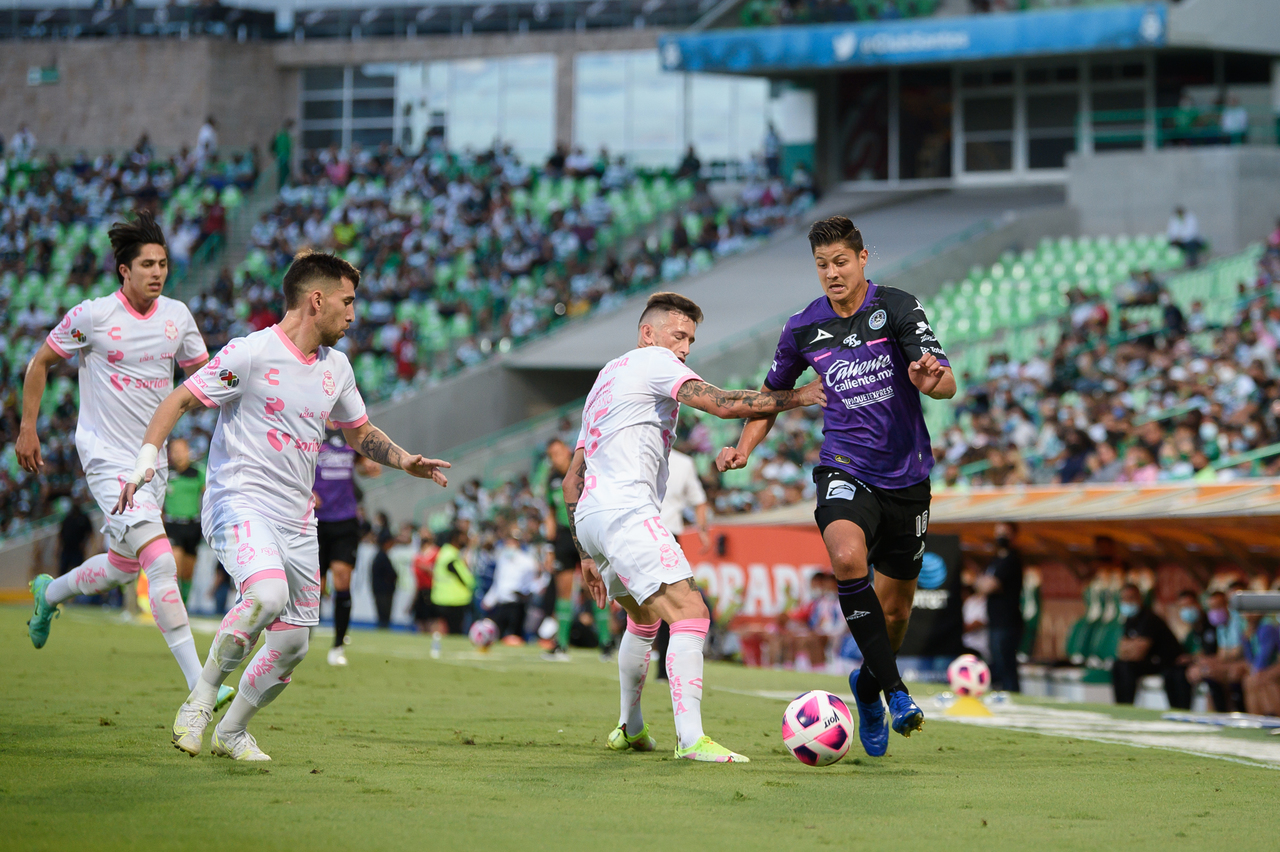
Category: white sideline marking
[1093,726]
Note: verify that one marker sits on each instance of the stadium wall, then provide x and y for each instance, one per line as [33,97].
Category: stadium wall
[1234,191]
[110,91]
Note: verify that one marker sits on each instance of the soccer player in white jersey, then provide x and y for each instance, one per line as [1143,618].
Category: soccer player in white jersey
[127,344]
[274,389]
[614,491]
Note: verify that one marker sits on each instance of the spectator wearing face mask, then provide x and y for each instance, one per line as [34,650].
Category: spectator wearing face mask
[1221,669]
[1148,647]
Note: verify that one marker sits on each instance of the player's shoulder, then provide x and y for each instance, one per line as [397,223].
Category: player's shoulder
[815,311]
[897,301]
[333,357]
[173,308]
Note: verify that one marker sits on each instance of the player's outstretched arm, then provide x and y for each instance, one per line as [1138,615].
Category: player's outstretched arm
[734,404]
[372,443]
[753,432]
[572,485]
[176,404]
[28,446]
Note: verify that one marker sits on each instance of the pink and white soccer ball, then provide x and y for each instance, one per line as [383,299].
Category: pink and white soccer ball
[817,728]
[483,633]
[968,675]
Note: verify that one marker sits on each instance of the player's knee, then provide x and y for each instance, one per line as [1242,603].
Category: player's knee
[896,612]
[269,596]
[848,563]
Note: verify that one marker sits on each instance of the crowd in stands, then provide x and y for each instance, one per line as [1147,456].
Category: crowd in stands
[54,252]
[467,254]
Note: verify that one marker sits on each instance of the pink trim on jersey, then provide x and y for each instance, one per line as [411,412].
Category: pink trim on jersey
[580,445]
[644,631]
[278,625]
[134,311]
[264,574]
[53,344]
[692,377]
[191,361]
[354,424]
[874,342]
[289,344]
[199,394]
[154,551]
[129,566]
[698,626]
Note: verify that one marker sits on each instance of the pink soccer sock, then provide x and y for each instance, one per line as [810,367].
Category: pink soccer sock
[95,574]
[684,673]
[633,668]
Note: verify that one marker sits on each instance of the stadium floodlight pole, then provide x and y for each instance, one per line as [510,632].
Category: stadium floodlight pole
[1256,602]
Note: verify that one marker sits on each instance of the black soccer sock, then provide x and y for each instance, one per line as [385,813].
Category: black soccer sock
[865,617]
[341,616]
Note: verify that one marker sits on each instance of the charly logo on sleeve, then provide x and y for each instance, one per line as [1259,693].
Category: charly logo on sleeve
[878,319]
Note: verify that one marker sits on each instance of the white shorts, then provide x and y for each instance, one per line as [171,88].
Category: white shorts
[105,482]
[635,553]
[252,548]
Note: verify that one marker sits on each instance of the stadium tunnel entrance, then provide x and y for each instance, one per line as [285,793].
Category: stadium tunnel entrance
[1008,98]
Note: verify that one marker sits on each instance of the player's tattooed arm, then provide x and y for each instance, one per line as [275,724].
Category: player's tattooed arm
[735,404]
[372,443]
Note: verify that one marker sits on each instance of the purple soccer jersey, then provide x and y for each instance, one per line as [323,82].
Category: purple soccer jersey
[873,426]
[335,480]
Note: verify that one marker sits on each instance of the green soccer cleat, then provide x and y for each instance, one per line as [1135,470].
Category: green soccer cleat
[619,741]
[188,728]
[710,751]
[43,614]
[241,746]
[225,694]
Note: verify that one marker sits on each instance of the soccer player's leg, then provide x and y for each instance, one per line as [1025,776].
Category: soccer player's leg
[155,556]
[647,560]
[848,514]
[271,669]
[633,668]
[247,547]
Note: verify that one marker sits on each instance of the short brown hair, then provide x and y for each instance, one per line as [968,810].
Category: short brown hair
[837,229]
[667,302]
[128,238]
[311,266]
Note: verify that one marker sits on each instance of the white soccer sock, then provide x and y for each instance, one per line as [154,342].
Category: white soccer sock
[95,574]
[266,676]
[633,668]
[260,604]
[167,609]
[684,673]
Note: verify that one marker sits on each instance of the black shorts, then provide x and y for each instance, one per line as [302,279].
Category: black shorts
[423,608]
[338,541]
[452,616]
[893,520]
[565,550]
[185,535]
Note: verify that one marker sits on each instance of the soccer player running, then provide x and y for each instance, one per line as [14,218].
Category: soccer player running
[274,388]
[613,490]
[338,527]
[875,353]
[127,344]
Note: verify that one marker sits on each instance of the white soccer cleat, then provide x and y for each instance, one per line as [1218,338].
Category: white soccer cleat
[337,656]
[188,728]
[240,746]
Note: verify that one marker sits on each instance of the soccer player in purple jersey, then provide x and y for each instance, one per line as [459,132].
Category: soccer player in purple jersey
[876,353]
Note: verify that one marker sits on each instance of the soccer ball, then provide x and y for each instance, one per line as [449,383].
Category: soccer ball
[968,675]
[483,633]
[817,728]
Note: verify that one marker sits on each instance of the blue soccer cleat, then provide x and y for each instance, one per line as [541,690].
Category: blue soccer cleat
[43,614]
[872,729]
[907,715]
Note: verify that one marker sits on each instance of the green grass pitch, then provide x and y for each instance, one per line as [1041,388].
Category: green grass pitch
[505,752]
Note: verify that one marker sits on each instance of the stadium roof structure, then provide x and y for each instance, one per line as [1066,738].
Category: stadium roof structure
[1188,521]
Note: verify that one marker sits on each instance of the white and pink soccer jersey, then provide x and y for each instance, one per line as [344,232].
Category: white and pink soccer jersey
[628,427]
[274,402]
[126,370]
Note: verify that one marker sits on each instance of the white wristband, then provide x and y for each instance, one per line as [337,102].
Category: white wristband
[146,461]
